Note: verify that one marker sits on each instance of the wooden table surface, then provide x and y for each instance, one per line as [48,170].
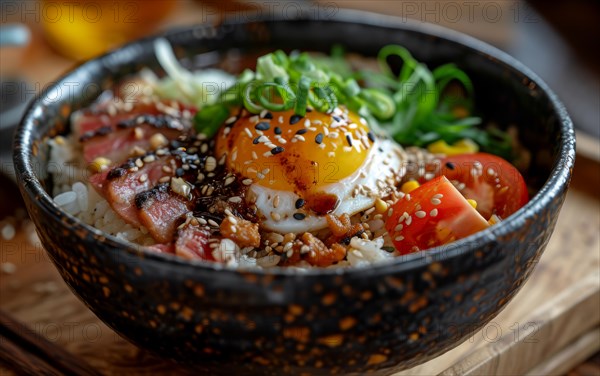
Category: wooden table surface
[552,324]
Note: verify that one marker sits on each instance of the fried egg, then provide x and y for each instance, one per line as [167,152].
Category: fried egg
[298,169]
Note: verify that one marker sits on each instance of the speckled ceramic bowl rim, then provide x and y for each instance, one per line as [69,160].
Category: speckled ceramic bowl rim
[556,183]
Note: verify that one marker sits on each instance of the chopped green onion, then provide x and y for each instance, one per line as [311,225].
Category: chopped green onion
[210,118]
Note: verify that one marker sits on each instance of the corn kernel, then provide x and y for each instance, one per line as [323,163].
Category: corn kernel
[473,203]
[464,146]
[99,164]
[409,186]
[380,206]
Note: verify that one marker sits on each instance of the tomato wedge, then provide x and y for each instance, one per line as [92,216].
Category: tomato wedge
[494,183]
[434,214]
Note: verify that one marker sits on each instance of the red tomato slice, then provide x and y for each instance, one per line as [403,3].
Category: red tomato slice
[434,214]
[494,183]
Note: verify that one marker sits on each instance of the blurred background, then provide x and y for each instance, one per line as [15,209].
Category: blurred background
[40,40]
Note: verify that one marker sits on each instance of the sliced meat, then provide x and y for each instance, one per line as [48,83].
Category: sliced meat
[108,114]
[160,211]
[120,185]
[192,243]
[120,143]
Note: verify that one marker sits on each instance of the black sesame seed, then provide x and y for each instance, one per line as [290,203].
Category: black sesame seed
[268,115]
[277,150]
[349,139]
[301,131]
[319,138]
[255,141]
[262,126]
[179,172]
[371,136]
[299,203]
[450,165]
[277,130]
[336,118]
[294,119]
[299,216]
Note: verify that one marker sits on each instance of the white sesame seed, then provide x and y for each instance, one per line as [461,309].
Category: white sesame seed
[143,178]
[436,201]
[247,181]
[398,227]
[280,119]
[213,223]
[254,156]
[248,132]
[408,220]
[211,164]
[307,123]
[399,238]
[229,180]
[433,212]
[235,199]
[420,214]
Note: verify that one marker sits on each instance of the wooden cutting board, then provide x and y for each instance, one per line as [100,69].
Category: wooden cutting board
[552,324]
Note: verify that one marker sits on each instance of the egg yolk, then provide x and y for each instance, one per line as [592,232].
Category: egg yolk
[284,151]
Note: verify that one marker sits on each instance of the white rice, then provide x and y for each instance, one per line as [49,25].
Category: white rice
[77,197]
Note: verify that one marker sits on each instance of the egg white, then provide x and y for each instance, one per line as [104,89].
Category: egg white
[383,162]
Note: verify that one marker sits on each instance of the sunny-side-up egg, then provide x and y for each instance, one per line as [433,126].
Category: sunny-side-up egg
[299,169]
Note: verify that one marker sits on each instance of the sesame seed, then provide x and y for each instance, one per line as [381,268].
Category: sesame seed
[256,140]
[299,216]
[248,132]
[331,154]
[167,169]
[433,213]
[262,126]
[229,180]
[333,135]
[399,238]
[438,195]
[231,120]
[267,115]
[336,118]
[420,214]
[277,130]
[213,223]
[235,199]
[299,203]
[164,179]
[247,181]
[294,119]
[301,131]
[277,150]
[349,139]
[254,156]
[319,138]
[254,119]
[408,220]
[398,227]
[276,201]
[143,178]
[371,136]
[307,123]
[280,119]
[299,138]
[275,216]
[210,164]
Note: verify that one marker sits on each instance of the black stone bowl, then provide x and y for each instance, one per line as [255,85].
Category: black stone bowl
[383,318]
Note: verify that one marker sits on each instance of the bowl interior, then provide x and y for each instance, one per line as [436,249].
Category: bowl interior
[506,92]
